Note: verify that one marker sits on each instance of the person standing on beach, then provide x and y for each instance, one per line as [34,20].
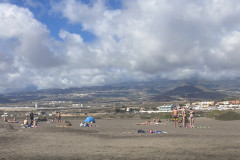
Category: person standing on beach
[31,116]
[175,115]
[184,115]
[191,117]
[59,117]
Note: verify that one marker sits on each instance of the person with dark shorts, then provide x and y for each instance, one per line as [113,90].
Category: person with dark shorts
[31,116]
[59,117]
[175,115]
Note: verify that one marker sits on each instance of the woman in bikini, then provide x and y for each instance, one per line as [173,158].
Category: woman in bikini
[184,114]
[191,117]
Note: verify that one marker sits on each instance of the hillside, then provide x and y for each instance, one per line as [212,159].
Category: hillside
[4,100]
[155,91]
[162,98]
[195,92]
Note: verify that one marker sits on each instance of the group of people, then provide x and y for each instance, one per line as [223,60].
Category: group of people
[156,120]
[31,122]
[176,114]
[9,121]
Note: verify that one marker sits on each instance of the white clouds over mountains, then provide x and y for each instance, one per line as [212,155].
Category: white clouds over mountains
[140,41]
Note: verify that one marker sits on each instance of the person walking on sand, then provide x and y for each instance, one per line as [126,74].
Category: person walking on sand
[175,115]
[191,118]
[184,115]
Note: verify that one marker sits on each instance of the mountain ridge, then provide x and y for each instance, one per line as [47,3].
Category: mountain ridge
[135,91]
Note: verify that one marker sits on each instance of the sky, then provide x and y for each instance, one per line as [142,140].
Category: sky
[75,43]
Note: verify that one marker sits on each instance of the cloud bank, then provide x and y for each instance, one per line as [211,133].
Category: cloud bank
[142,40]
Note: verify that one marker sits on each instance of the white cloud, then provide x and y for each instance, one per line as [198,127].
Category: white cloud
[141,41]
[162,37]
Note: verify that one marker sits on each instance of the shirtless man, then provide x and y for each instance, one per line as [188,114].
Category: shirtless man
[175,115]
[59,117]
[25,122]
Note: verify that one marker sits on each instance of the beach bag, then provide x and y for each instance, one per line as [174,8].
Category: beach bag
[141,131]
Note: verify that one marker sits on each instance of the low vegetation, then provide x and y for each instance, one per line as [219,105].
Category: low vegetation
[229,115]
[163,115]
[223,115]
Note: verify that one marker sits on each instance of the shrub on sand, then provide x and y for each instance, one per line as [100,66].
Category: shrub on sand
[145,116]
[214,113]
[228,115]
[163,115]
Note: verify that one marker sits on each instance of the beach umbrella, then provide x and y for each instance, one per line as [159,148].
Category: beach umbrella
[90,119]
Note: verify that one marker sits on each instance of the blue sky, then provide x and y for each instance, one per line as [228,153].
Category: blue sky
[42,12]
[76,43]
[54,22]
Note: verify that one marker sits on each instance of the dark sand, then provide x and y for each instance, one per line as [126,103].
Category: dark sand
[118,139]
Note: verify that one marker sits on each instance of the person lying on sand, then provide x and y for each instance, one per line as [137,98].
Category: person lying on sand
[14,121]
[144,123]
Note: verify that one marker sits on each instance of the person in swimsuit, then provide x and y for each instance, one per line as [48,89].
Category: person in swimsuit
[191,117]
[25,123]
[175,115]
[59,117]
[144,123]
[184,115]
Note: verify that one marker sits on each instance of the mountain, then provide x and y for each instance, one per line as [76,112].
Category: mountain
[195,92]
[183,90]
[4,100]
[156,91]
[162,98]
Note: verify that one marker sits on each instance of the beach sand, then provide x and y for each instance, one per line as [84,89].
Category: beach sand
[118,139]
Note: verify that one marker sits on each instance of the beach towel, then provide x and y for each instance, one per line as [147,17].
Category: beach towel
[161,132]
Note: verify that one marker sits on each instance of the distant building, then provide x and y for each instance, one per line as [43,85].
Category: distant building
[166,108]
[132,109]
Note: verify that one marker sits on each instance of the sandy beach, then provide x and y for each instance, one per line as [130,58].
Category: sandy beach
[118,139]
